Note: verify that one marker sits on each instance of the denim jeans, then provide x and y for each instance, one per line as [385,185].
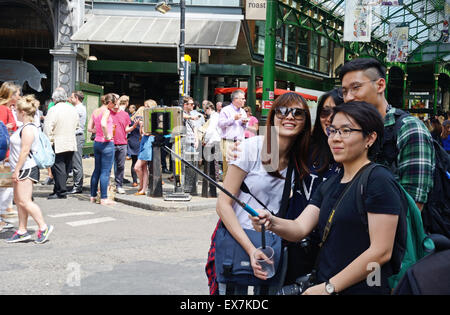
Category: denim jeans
[104,157]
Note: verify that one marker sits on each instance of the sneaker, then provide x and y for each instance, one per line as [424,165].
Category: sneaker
[120,190]
[18,237]
[4,225]
[42,236]
[48,181]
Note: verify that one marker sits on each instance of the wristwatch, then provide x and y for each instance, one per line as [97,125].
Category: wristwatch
[329,288]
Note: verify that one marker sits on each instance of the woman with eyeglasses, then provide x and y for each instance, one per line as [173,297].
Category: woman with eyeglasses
[262,166]
[301,255]
[350,249]
[101,123]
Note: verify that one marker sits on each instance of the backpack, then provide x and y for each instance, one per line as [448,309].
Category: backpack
[44,155]
[418,280]
[411,242]
[436,211]
[4,141]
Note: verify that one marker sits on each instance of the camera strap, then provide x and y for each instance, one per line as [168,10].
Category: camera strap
[330,219]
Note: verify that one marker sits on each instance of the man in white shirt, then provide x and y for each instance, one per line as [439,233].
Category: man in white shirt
[76,100]
[60,125]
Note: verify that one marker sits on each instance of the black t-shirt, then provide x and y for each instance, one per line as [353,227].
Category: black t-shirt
[348,237]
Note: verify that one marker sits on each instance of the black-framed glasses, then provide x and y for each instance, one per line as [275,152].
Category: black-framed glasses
[353,88]
[344,132]
[297,113]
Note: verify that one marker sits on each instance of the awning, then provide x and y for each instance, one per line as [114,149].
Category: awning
[158,32]
[278,92]
[228,90]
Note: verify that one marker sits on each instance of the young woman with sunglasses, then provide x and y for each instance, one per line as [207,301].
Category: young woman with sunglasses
[350,249]
[263,166]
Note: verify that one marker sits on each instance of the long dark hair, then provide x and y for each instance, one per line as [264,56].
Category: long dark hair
[300,148]
[320,150]
[369,120]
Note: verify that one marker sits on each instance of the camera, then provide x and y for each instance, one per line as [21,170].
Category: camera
[301,284]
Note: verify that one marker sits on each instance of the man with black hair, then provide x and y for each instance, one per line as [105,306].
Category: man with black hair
[363,79]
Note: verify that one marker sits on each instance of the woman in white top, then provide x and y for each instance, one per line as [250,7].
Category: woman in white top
[263,167]
[24,142]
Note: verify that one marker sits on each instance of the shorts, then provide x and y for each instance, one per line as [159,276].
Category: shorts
[31,173]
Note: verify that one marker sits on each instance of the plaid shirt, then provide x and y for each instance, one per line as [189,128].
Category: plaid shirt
[416,156]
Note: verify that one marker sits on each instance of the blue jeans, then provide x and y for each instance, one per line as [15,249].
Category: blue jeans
[104,157]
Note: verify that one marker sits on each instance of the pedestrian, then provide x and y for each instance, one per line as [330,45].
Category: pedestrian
[191,122]
[445,136]
[218,107]
[252,127]
[145,150]
[211,139]
[101,124]
[122,126]
[436,130]
[60,126]
[76,99]
[232,122]
[348,246]
[363,79]
[124,100]
[26,173]
[9,95]
[264,171]
[133,142]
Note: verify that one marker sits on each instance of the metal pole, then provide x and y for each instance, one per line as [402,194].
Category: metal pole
[181,51]
[269,57]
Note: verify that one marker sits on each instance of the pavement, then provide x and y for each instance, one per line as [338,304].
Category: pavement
[144,202]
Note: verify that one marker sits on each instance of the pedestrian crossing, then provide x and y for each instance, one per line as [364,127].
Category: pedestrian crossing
[69,216]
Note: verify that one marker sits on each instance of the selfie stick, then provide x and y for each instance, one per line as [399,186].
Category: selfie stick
[245,206]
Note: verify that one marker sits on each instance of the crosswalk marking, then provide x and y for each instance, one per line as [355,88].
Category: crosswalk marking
[69,214]
[91,221]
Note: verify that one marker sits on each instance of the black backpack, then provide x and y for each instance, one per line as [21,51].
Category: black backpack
[436,212]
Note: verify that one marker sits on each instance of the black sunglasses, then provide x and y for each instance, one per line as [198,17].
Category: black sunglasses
[297,113]
[326,111]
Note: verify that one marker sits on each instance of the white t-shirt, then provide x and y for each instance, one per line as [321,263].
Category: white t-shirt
[16,144]
[267,188]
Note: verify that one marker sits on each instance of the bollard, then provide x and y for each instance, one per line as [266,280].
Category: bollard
[190,176]
[154,172]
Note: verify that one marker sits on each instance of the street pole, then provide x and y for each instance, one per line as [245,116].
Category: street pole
[269,57]
[178,194]
[181,51]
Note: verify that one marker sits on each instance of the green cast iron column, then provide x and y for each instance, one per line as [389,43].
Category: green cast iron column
[269,54]
[251,91]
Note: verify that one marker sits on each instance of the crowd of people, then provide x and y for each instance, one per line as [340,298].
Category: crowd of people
[117,132]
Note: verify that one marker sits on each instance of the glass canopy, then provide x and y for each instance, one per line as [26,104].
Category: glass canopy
[422,16]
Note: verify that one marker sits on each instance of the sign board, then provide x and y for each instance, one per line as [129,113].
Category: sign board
[255,10]
[267,104]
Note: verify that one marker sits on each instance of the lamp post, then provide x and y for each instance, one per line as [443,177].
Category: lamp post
[181,69]
[178,194]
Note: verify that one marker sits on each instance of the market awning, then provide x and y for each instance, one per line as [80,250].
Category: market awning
[278,92]
[158,32]
[228,90]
